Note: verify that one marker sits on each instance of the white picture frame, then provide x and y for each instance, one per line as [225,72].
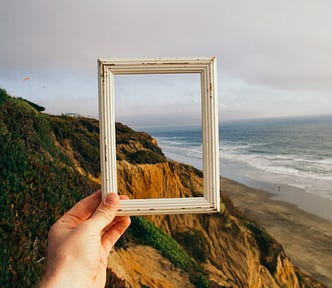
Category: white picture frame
[207,68]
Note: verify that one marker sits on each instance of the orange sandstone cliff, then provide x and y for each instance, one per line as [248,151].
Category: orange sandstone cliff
[230,250]
[49,162]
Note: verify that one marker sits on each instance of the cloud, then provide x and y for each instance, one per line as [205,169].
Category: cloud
[284,46]
[160,99]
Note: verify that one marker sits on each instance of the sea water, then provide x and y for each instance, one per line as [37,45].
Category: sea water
[292,151]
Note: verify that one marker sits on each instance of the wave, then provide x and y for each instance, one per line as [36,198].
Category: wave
[282,164]
[279,163]
[275,157]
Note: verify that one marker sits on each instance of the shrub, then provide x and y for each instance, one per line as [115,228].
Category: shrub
[194,243]
[269,248]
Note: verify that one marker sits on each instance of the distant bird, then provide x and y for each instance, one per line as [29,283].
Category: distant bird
[26,78]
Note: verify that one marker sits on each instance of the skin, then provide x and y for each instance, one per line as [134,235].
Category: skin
[81,240]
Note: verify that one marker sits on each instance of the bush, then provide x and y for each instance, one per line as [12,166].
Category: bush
[145,157]
[194,243]
[269,248]
[4,97]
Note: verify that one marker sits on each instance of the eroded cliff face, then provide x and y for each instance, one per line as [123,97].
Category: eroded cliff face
[160,180]
[143,266]
[50,162]
[231,250]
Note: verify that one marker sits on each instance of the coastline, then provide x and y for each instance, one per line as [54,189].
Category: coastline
[311,203]
[296,211]
[306,237]
[300,221]
[247,175]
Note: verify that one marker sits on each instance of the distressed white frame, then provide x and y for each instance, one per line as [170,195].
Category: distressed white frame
[206,67]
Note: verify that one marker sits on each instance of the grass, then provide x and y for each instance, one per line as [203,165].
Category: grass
[39,183]
[36,187]
[147,233]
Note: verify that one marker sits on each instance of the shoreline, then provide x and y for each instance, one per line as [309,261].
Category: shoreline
[305,237]
[299,220]
[310,203]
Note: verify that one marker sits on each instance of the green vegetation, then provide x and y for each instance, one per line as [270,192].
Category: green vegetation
[145,157]
[147,233]
[4,97]
[137,147]
[36,187]
[194,243]
[34,105]
[39,154]
[269,248]
[79,137]
[45,163]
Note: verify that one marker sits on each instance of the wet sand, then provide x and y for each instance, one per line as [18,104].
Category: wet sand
[306,238]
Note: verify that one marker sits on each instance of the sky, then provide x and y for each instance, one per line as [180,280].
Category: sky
[162,100]
[274,57]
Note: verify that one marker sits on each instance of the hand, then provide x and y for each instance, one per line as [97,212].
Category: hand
[80,241]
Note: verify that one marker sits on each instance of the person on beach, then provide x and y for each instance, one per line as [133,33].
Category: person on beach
[80,241]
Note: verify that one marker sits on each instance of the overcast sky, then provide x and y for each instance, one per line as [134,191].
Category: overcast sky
[274,57]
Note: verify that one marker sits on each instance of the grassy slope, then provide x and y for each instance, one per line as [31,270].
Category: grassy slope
[39,155]
[39,182]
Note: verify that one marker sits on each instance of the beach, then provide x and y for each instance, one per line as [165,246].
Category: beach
[285,170]
[305,237]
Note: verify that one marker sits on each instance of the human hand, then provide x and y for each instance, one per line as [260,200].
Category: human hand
[80,241]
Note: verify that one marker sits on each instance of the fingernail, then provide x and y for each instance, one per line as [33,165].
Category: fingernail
[111,198]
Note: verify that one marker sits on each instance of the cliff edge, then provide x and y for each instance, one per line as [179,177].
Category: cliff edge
[50,162]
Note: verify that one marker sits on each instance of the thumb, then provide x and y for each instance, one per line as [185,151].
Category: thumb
[106,211]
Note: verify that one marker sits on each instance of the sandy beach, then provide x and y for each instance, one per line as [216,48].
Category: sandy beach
[306,237]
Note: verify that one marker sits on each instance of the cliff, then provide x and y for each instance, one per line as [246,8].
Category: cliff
[50,162]
[231,251]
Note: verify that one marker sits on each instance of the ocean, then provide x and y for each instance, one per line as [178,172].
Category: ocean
[265,153]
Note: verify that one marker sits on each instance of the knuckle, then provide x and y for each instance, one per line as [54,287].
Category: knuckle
[108,214]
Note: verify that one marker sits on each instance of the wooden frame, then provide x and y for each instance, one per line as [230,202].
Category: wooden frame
[206,67]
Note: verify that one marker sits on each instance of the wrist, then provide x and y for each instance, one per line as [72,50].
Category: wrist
[52,280]
[60,276]
[57,280]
